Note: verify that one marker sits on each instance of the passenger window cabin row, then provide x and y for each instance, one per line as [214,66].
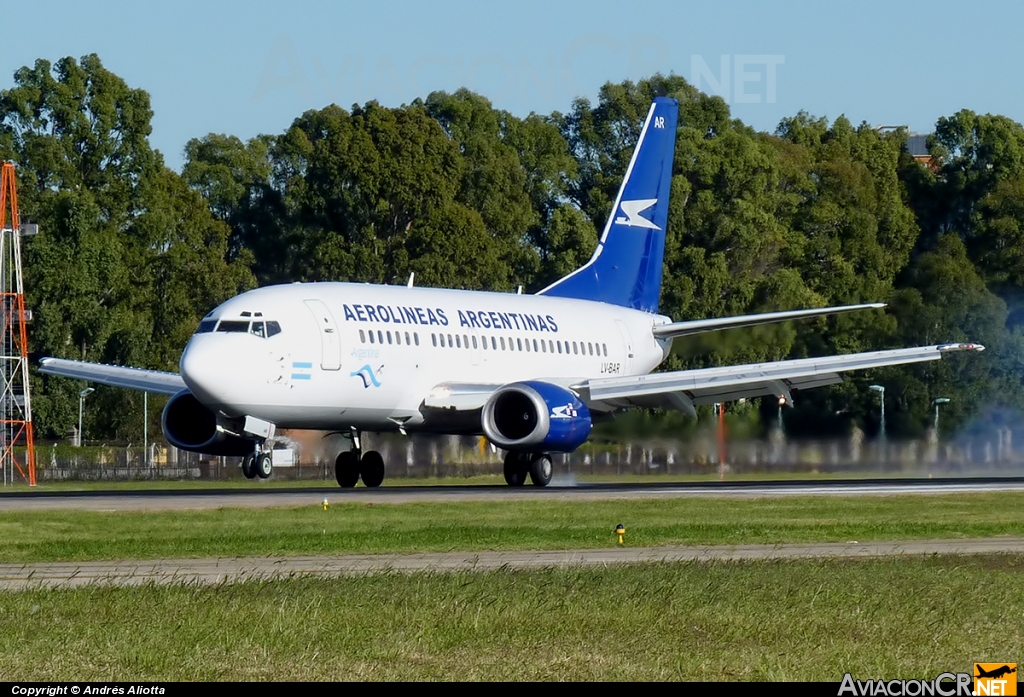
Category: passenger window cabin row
[530,345]
[493,343]
[379,336]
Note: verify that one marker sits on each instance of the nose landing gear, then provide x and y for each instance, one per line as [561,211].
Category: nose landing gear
[264,465]
[258,464]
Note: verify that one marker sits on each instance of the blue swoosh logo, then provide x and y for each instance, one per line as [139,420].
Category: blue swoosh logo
[367,376]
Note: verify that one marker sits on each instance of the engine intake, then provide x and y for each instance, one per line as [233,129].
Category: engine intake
[536,416]
[189,425]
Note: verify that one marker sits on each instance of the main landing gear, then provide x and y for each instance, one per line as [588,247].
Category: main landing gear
[353,464]
[537,465]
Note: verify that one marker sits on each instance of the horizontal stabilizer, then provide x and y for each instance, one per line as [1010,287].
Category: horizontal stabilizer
[677,329]
[114,375]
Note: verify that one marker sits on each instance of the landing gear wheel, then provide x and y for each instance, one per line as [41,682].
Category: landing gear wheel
[371,468]
[515,469]
[346,469]
[541,469]
[264,465]
[249,466]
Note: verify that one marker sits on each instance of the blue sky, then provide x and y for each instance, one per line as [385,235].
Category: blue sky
[251,67]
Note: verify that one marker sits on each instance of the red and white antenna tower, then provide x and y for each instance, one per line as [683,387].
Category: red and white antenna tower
[15,402]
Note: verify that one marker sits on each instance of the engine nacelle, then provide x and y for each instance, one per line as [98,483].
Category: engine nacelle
[188,425]
[536,416]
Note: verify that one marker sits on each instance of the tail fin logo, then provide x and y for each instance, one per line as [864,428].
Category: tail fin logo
[632,215]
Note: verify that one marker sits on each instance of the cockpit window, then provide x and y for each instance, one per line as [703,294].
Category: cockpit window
[257,328]
[234,326]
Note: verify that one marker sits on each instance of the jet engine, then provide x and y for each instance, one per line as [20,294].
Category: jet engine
[188,425]
[537,417]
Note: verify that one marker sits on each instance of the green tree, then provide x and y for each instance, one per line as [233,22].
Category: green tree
[946,300]
[235,179]
[128,259]
[973,192]
[550,169]
[974,153]
[997,237]
[569,240]
[494,182]
[374,194]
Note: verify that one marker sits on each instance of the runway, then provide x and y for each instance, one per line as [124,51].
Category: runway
[20,577]
[263,496]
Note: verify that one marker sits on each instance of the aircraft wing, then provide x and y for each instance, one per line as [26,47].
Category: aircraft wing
[114,375]
[685,388]
[677,329]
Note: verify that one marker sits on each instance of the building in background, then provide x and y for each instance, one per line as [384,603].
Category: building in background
[917,147]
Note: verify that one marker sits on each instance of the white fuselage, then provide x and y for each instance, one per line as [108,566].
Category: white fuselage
[367,356]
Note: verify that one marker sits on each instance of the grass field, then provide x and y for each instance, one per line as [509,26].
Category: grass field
[501,525]
[783,620]
[797,620]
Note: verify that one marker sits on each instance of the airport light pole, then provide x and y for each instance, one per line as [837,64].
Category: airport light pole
[937,402]
[81,402]
[881,398]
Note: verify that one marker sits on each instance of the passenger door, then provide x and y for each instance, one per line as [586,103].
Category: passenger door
[330,341]
[627,343]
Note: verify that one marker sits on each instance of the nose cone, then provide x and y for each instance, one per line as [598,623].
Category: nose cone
[203,369]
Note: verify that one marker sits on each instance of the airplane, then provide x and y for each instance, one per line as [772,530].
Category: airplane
[994,673]
[531,372]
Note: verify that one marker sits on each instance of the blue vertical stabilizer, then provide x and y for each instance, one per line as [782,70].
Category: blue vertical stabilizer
[626,267]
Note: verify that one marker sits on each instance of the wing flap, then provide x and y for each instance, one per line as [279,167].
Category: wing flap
[777,388]
[114,375]
[677,329]
[677,401]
